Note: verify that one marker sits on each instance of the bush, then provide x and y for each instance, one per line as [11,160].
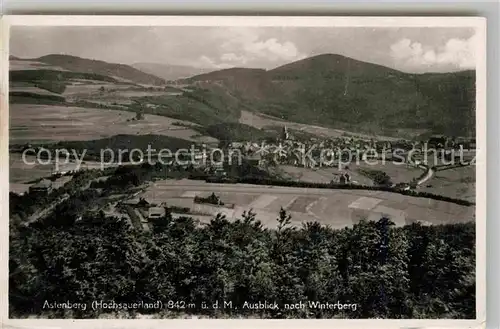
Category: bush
[212,199]
[377,176]
[179,210]
[386,271]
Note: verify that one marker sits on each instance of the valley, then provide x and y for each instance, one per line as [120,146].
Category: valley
[77,102]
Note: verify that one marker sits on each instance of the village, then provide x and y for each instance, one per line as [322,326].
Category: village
[339,154]
[244,160]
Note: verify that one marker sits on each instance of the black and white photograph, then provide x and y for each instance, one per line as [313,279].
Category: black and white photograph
[231,169]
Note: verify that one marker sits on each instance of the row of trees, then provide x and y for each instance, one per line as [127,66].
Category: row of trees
[388,272]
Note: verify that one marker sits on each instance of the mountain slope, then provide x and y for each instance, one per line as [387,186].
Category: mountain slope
[340,92]
[242,82]
[169,72]
[324,65]
[77,64]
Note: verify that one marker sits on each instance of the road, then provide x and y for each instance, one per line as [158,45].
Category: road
[47,210]
[430,173]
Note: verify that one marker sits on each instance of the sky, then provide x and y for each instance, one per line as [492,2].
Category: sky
[406,49]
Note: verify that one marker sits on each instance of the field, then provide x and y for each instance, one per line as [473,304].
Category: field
[88,87]
[31,89]
[32,123]
[15,65]
[456,183]
[321,175]
[21,172]
[109,93]
[22,175]
[337,208]
[398,173]
[112,94]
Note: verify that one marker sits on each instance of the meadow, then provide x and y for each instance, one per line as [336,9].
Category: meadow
[336,208]
[31,123]
[456,183]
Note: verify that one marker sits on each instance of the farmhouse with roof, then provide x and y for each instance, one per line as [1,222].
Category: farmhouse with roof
[42,187]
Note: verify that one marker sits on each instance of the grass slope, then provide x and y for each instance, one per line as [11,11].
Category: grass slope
[235,132]
[53,75]
[201,106]
[52,80]
[77,64]
[128,142]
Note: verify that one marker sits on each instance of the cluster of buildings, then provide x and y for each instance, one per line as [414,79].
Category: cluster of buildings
[289,150]
[343,178]
[448,143]
[308,152]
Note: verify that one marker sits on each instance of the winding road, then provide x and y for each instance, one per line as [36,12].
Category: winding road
[429,174]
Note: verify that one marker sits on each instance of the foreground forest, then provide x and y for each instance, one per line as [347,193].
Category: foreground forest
[389,272]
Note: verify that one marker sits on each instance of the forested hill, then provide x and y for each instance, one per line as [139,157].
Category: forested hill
[341,92]
[84,65]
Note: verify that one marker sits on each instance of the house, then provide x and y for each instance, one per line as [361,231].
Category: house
[472,144]
[237,145]
[284,134]
[233,157]
[199,156]
[142,203]
[254,159]
[156,212]
[167,158]
[42,187]
[67,168]
[436,142]
[402,186]
[220,172]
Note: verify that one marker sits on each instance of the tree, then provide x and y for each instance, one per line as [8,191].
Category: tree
[139,115]
[161,225]
[389,272]
[318,265]
[381,178]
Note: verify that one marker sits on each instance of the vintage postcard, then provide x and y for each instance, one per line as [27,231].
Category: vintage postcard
[245,168]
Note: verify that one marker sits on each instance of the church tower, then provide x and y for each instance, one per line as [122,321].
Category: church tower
[284,134]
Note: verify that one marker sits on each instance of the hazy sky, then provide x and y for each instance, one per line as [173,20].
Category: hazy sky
[406,49]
